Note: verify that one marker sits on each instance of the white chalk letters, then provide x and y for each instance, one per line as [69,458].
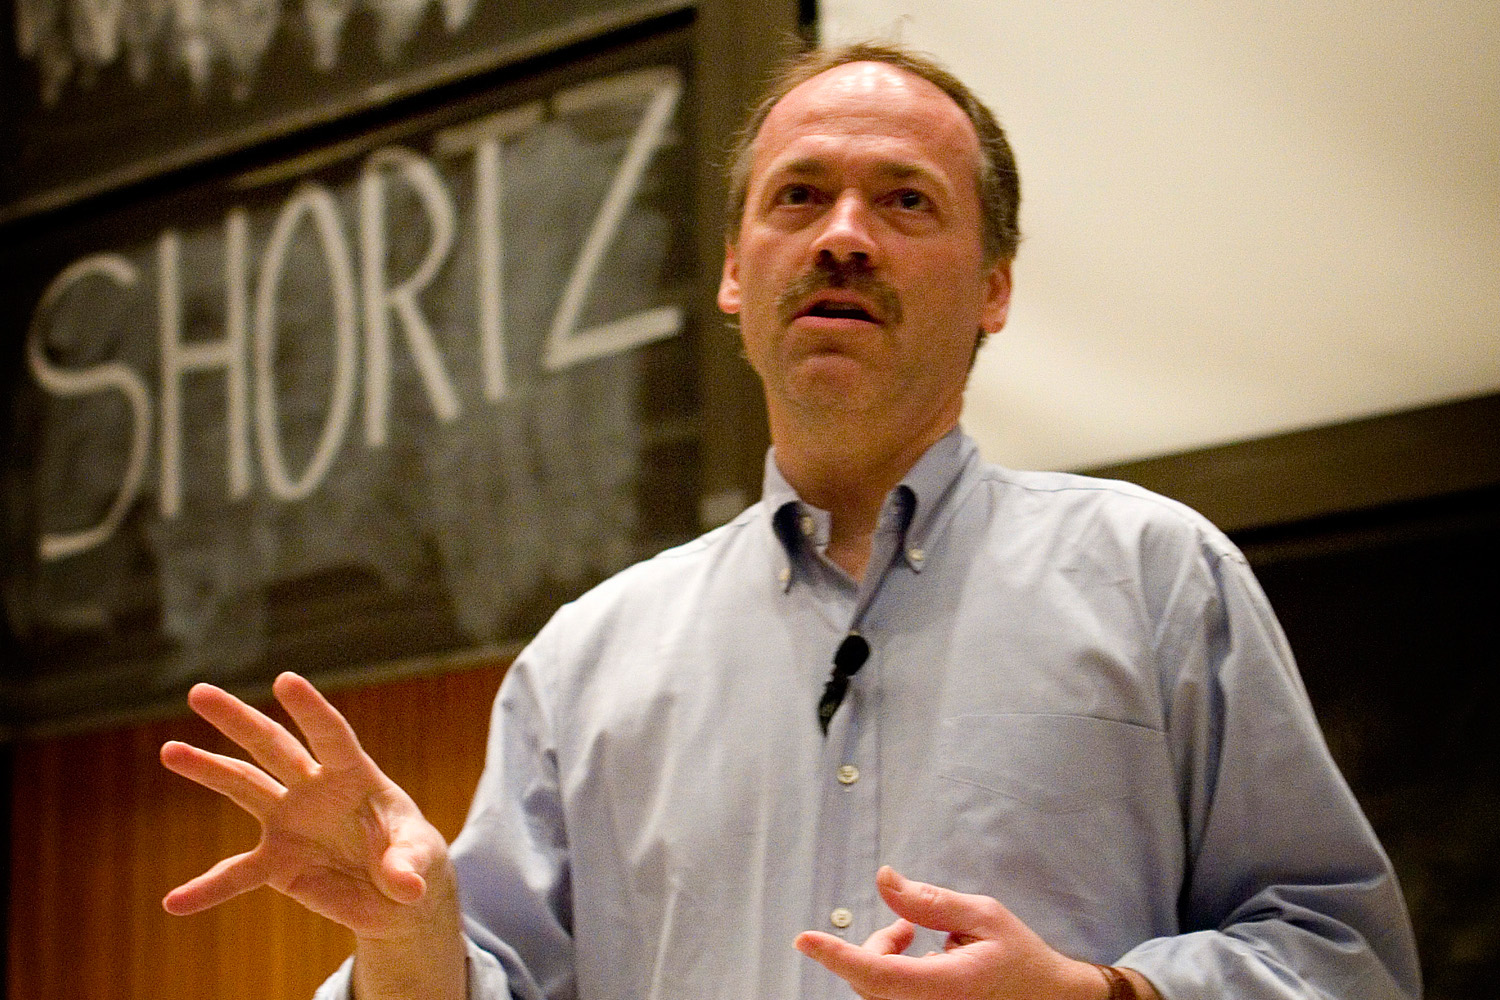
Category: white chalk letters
[373,313]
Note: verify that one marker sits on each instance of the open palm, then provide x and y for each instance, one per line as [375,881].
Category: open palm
[337,835]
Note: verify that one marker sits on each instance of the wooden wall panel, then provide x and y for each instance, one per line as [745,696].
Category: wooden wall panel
[101,831]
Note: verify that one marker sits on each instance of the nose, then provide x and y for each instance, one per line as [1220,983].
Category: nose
[846,237]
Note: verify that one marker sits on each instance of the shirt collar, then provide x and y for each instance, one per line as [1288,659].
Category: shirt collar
[912,508]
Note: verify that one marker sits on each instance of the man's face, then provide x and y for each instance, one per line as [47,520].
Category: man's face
[859,274]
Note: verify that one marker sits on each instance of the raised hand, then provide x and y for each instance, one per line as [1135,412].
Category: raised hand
[337,835]
[989,955]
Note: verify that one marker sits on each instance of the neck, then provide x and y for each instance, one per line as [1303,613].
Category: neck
[848,472]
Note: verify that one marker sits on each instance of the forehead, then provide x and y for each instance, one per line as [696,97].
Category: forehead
[888,111]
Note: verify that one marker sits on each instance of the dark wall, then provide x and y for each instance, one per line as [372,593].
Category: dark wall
[1392,614]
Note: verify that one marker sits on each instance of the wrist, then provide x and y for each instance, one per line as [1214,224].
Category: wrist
[1125,984]
[435,969]
[425,958]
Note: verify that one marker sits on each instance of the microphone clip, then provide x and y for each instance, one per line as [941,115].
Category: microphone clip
[847,660]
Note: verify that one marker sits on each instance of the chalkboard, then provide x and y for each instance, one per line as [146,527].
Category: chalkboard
[370,404]
[100,93]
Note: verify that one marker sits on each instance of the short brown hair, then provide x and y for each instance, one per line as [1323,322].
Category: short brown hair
[996,177]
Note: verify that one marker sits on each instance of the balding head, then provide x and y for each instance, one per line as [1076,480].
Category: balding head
[996,178]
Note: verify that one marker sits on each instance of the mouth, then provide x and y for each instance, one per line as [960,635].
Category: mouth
[862,299]
[824,307]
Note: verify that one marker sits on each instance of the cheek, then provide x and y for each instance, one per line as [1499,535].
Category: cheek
[944,320]
[768,256]
[946,288]
[756,323]
[760,278]
[752,339]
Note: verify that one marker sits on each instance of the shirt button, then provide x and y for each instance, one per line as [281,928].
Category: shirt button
[917,555]
[784,575]
[841,917]
[848,774]
[808,525]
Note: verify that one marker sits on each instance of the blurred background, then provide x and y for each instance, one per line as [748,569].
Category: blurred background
[353,336]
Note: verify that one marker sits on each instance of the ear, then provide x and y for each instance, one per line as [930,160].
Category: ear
[729,284]
[996,307]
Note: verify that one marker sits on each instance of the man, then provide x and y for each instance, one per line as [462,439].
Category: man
[1061,703]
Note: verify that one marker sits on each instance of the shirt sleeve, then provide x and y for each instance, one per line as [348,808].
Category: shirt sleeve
[512,858]
[1288,893]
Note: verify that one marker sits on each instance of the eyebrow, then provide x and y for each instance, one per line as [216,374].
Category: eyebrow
[896,170]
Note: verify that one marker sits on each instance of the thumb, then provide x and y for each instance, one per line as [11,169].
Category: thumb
[940,909]
[399,874]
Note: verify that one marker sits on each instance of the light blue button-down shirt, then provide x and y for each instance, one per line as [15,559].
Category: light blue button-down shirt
[1076,701]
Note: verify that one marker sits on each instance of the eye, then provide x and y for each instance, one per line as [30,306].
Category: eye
[911,200]
[794,195]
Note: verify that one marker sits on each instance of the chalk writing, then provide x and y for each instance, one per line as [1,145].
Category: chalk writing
[422,357]
[196,36]
[313,209]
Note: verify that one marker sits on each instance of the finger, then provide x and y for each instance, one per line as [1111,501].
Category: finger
[873,974]
[246,785]
[265,739]
[328,733]
[892,939]
[222,882]
[961,914]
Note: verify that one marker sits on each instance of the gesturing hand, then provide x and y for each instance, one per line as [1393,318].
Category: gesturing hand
[337,835]
[990,954]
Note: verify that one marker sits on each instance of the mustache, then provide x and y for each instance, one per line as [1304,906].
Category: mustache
[839,275]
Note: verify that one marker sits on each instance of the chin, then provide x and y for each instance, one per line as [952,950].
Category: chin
[833,381]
